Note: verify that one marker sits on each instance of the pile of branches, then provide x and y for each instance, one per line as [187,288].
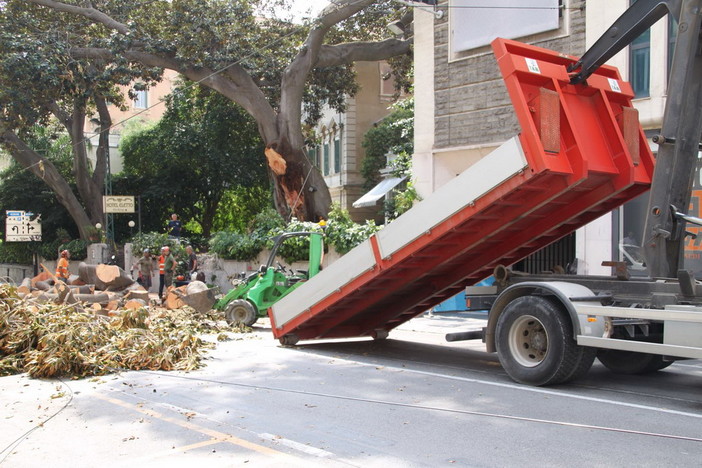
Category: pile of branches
[46,339]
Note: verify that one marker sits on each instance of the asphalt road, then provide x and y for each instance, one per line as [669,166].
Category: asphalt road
[412,400]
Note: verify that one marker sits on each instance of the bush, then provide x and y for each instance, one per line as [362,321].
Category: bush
[154,241]
[234,245]
[77,247]
[295,249]
[50,250]
[342,233]
[16,252]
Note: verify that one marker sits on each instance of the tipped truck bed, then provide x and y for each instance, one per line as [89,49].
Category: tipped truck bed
[581,154]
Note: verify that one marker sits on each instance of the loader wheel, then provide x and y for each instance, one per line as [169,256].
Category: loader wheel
[629,362]
[240,311]
[535,344]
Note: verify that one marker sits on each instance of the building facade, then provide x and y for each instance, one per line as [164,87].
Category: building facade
[339,152]
[149,106]
[462,110]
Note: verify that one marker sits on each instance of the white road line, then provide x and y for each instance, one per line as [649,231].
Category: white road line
[542,391]
[317,452]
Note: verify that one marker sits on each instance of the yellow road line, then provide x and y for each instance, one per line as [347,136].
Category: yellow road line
[215,435]
[204,443]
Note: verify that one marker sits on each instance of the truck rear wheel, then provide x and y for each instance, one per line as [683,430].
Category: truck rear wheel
[535,344]
[240,311]
[629,362]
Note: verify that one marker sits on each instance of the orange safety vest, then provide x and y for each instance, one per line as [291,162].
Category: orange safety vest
[161,265]
[62,268]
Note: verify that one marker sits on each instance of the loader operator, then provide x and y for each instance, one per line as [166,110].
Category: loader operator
[62,266]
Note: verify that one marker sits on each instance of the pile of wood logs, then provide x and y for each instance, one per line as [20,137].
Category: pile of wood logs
[108,288]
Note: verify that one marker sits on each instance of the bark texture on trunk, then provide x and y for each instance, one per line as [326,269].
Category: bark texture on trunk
[46,171]
[300,190]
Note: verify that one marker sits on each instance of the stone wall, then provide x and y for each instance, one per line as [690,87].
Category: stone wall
[471,102]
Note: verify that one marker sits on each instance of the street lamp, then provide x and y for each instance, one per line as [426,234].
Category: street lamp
[131,225]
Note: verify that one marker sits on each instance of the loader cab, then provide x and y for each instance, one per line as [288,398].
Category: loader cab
[315,258]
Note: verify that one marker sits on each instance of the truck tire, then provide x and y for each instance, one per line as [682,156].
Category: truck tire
[290,339]
[629,362]
[535,344]
[239,312]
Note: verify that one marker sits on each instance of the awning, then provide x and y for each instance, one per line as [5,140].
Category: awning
[378,192]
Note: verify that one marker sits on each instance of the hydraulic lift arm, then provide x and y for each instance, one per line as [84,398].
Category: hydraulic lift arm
[679,140]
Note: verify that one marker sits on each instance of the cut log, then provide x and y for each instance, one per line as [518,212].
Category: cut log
[112,305]
[43,296]
[87,274]
[173,300]
[75,280]
[25,286]
[92,298]
[43,276]
[62,291]
[113,276]
[134,304]
[82,289]
[42,285]
[135,294]
[198,296]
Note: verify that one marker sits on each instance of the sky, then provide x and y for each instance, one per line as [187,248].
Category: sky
[306,8]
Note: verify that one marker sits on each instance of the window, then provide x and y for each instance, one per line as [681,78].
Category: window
[141,100]
[312,155]
[325,159]
[475,23]
[640,64]
[337,153]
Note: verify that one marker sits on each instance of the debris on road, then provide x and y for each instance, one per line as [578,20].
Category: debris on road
[107,324]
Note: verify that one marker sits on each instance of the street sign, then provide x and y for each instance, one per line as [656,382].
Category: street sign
[19,226]
[118,203]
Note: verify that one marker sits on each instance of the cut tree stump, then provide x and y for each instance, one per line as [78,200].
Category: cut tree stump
[198,296]
[134,304]
[113,277]
[25,286]
[135,294]
[87,274]
[173,300]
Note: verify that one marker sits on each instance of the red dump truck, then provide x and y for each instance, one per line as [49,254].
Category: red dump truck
[581,153]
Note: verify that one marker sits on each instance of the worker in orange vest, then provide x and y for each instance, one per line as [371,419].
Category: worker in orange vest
[161,271]
[62,266]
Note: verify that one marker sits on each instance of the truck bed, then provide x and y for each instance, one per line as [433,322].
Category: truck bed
[581,153]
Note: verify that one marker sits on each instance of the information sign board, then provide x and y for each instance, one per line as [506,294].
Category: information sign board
[20,227]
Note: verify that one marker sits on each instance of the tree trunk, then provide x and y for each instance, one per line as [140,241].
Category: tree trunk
[46,171]
[90,189]
[299,188]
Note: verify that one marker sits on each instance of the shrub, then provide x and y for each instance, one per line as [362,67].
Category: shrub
[50,250]
[77,247]
[16,252]
[295,249]
[342,233]
[234,245]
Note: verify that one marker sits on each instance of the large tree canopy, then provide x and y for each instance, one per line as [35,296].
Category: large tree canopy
[202,148]
[277,71]
[40,80]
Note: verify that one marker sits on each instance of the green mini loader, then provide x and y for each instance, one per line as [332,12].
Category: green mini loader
[252,297]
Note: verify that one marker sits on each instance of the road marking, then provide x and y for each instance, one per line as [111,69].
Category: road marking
[533,390]
[196,445]
[317,452]
[215,435]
